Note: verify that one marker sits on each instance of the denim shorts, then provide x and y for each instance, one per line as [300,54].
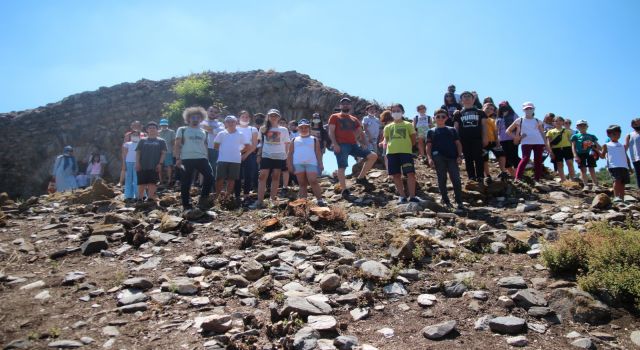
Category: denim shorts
[346,150]
[168,159]
[305,168]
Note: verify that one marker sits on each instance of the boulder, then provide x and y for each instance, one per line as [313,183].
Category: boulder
[329,283]
[601,201]
[375,270]
[507,325]
[527,298]
[439,331]
[251,270]
[579,306]
[410,246]
[94,244]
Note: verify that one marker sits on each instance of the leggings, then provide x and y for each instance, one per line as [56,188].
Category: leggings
[526,156]
[190,166]
[472,149]
[449,166]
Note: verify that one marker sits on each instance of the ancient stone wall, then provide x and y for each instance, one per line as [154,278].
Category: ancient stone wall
[97,120]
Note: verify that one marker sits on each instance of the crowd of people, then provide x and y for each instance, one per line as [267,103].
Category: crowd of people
[232,157]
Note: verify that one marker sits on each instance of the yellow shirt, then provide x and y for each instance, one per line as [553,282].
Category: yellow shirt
[491,130]
[564,141]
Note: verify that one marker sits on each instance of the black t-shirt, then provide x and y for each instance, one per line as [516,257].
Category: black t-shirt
[443,141]
[150,152]
[470,123]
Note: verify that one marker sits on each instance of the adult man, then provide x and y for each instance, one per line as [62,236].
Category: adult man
[452,89]
[212,126]
[169,136]
[344,131]
[190,150]
[471,124]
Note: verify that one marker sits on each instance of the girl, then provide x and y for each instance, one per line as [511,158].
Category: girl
[64,171]
[273,155]
[559,141]
[506,117]
[94,169]
[493,146]
[319,132]
[450,105]
[129,166]
[529,132]
[422,123]
[248,166]
[305,158]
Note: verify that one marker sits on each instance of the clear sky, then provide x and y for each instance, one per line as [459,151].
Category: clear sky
[575,58]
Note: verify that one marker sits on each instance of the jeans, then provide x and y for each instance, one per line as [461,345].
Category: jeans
[190,166]
[213,160]
[526,156]
[636,168]
[248,169]
[449,166]
[473,161]
[130,180]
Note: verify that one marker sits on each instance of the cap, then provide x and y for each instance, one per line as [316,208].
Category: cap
[230,118]
[303,122]
[466,93]
[273,111]
[528,105]
[164,122]
[68,148]
[345,100]
[582,122]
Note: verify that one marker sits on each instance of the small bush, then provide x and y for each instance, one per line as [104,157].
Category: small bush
[603,259]
[194,90]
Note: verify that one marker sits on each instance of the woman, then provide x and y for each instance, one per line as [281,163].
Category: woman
[450,105]
[249,165]
[506,117]
[305,159]
[64,171]
[528,131]
[273,155]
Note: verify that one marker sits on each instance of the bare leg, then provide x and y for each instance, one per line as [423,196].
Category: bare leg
[592,172]
[151,191]
[219,185]
[285,179]
[141,191]
[397,180]
[312,178]
[275,176]
[501,162]
[229,190]
[342,179]
[411,183]
[262,184]
[302,181]
[421,146]
[572,171]
[371,159]
[560,167]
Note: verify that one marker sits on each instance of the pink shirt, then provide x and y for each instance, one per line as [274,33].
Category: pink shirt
[95,169]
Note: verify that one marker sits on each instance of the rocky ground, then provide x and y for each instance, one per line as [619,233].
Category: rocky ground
[87,270]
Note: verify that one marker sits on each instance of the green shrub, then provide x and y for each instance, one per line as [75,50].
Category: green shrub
[194,90]
[603,259]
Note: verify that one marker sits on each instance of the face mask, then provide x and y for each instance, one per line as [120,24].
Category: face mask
[397,115]
[135,139]
[316,121]
[528,112]
[244,123]
[345,110]
[636,128]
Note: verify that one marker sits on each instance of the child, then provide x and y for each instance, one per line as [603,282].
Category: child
[94,169]
[129,166]
[585,150]
[617,162]
[558,139]
[400,137]
[471,124]
[371,126]
[494,146]
[150,154]
[633,145]
[422,122]
[444,152]
[230,144]
[305,158]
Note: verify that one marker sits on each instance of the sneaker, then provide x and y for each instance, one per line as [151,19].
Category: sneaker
[402,200]
[617,200]
[321,203]
[415,199]
[363,181]
[586,188]
[460,206]
[256,205]
[346,194]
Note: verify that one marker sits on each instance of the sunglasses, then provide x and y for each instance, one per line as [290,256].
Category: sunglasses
[441,116]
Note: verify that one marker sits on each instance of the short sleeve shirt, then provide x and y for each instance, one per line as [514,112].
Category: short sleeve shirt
[150,152]
[443,142]
[169,136]
[346,127]
[398,137]
[194,145]
[584,142]
[231,145]
[274,143]
[470,123]
[564,140]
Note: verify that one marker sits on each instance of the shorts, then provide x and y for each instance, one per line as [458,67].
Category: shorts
[494,148]
[305,168]
[168,159]
[620,174]
[147,177]
[268,163]
[227,171]
[421,132]
[400,163]
[586,161]
[562,153]
[348,149]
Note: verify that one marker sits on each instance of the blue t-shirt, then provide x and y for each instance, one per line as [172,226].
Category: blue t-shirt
[443,141]
[584,142]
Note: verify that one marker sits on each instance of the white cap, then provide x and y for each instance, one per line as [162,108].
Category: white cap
[527,105]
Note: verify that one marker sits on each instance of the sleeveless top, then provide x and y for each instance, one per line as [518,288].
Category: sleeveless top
[304,150]
[529,131]
[616,155]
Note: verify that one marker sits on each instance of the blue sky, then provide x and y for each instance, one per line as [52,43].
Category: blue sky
[575,58]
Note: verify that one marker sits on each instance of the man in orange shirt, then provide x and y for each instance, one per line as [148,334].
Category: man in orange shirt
[345,131]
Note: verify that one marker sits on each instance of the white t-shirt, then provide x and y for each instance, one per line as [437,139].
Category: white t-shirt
[131,151]
[274,141]
[194,146]
[216,127]
[304,150]
[529,131]
[634,146]
[231,145]
[372,126]
[248,133]
[616,155]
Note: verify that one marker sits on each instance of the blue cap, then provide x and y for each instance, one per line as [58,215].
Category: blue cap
[164,122]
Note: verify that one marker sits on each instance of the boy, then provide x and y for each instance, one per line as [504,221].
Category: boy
[617,162]
[444,152]
[471,125]
[169,136]
[422,122]
[400,136]
[230,145]
[371,126]
[558,140]
[585,150]
[150,154]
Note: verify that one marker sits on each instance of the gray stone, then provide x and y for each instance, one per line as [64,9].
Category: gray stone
[305,306]
[44,295]
[131,296]
[306,339]
[72,277]
[216,323]
[251,270]
[94,244]
[213,262]
[419,223]
[161,238]
[635,337]
[18,344]
[425,300]
[572,303]
[87,340]
[359,313]
[498,247]
[65,344]
[199,301]
[454,289]
[341,255]
[133,308]
[411,274]
[329,283]
[375,270]
[195,271]
[181,285]
[150,264]
[439,330]
[394,290]
[262,285]
[527,298]
[482,324]
[539,311]
[345,342]
[537,327]
[507,325]
[583,343]
[527,207]
[236,280]
[322,323]
[518,341]
[110,331]
[516,282]
[162,298]
[138,283]
[33,285]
